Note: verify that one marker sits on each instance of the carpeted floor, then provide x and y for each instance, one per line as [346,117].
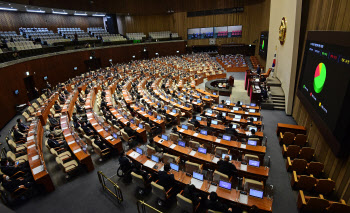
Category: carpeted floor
[84,193]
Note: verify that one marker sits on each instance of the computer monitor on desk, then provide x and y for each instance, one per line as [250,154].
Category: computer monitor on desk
[225,185]
[256,193]
[165,137]
[252,142]
[238,116]
[220,106]
[155,158]
[202,150]
[215,122]
[198,118]
[254,163]
[174,111]
[174,167]
[142,109]
[204,132]
[165,107]
[253,127]
[181,143]
[228,102]
[184,127]
[138,150]
[198,176]
[226,137]
[140,126]
[150,113]
[210,111]
[224,114]
[159,118]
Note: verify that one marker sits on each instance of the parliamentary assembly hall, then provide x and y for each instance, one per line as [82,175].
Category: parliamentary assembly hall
[171,106]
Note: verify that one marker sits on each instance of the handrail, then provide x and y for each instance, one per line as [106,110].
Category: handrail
[117,192]
[142,209]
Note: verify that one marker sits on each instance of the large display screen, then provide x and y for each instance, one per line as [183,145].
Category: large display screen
[214,32]
[264,38]
[324,81]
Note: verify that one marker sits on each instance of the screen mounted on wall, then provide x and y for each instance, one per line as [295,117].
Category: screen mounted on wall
[324,84]
[264,38]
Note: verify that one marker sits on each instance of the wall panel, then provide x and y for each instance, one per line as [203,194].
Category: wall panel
[12,21]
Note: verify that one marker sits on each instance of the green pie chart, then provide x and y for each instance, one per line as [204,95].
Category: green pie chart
[320,77]
[263,45]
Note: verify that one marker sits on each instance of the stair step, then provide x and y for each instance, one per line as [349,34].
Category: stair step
[279,108]
[277,97]
[278,104]
[278,101]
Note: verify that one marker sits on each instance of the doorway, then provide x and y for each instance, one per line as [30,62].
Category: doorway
[30,85]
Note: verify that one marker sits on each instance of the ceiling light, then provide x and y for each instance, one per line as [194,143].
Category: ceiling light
[9,9]
[57,12]
[80,14]
[101,15]
[36,11]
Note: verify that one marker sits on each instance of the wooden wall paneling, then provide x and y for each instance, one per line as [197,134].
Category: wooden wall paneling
[12,21]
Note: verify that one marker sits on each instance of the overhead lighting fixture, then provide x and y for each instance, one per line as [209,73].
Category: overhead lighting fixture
[9,9]
[27,73]
[61,13]
[133,56]
[177,51]
[36,11]
[80,14]
[100,15]
[157,54]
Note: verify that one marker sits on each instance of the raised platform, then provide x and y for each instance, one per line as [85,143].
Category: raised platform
[212,87]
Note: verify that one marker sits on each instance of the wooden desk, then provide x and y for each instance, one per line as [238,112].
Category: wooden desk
[215,97]
[115,143]
[83,156]
[144,115]
[229,196]
[231,145]
[141,132]
[44,111]
[296,129]
[36,158]
[220,128]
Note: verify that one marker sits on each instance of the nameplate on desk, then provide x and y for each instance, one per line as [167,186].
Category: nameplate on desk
[248,133]
[236,119]
[88,114]
[89,119]
[149,163]
[172,113]
[195,134]
[243,167]
[38,169]
[36,157]
[67,135]
[93,124]
[71,142]
[31,131]
[63,122]
[172,146]
[192,153]
[119,117]
[134,154]
[209,114]
[212,188]
[181,130]
[138,128]
[30,138]
[246,113]
[77,150]
[215,107]
[243,199]
[243,146]
[64,128]
[247,107]
[215,160]
[31,146]
[218,140]
[109,137]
